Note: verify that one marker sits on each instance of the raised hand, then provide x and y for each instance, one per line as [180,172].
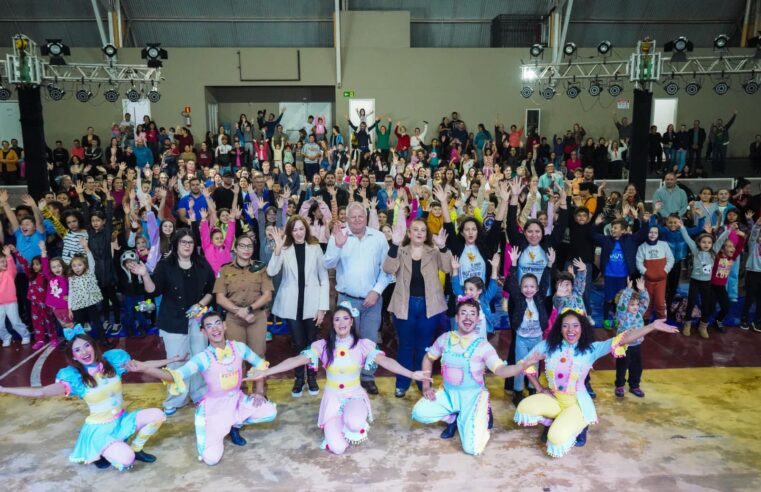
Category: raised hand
[278,235]
[455,262]
[440,194]
[398,232]
[579,264]
[640,284]
[495,261]
[137,268]
[339,236]
[4,197]
[516,186]
[515,253]
[551,256]
[204,214]
[749,215]
[83,243]
[440,239]
[662,325]
[237,212]
[28,201]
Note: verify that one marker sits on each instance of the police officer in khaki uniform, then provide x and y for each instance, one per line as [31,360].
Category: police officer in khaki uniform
[244,290]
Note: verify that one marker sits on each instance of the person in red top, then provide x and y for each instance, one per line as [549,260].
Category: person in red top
[728,247]
[77,150]
[514,139]
[402,141]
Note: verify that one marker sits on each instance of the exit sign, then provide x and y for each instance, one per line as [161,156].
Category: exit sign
[348,93]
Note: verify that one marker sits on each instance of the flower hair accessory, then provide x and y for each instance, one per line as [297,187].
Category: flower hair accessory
[70,333]
[196,311]
[464,298]
[347,305]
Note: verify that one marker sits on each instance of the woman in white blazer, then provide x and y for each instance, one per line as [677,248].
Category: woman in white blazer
[303,296]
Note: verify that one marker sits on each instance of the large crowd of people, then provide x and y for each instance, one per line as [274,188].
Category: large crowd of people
[446,238]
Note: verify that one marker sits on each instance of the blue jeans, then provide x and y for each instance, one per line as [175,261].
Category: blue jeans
[133,320]
[416,333]
[681,159]
[368,323]
[523,346]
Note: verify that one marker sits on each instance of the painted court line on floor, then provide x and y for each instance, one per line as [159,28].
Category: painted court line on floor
[12,369]
[35,378]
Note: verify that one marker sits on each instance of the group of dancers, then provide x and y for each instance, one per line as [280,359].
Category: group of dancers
[563,406]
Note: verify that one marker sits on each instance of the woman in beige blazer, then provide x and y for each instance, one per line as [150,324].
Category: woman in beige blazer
[303,296]
[416,257]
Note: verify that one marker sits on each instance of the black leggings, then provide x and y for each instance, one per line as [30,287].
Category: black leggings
[752,295]
[92,315]
[719,293]
[303,333]
[633,362]
[702,287]
[111,303]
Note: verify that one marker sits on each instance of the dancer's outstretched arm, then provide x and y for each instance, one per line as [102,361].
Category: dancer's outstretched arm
[395,367]
[506,371]
[55,389]
[286,365]
[657,325]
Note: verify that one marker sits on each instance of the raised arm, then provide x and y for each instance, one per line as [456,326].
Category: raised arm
[393,366]
[657,325]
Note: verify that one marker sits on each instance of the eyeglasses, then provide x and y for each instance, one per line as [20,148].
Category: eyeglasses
[245,246]
[187,242]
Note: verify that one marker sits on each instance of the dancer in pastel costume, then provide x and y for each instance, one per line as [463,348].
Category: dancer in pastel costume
[96,377]
[463,400]
[564,407]
[224,408]
[345,410]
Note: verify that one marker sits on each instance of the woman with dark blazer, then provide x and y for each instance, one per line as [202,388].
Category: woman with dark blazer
[303,296]
[415,258]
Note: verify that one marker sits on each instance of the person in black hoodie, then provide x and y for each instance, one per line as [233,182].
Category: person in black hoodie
[135,318]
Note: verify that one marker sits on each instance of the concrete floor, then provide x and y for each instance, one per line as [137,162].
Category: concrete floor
[697,429]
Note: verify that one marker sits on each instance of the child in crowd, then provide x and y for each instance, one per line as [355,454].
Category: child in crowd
[753,277]
[727,248]
[42,316]
[529,312]
[700,277]
[84,294]
[654,262]
[9,300]
[474,288]
[630,307]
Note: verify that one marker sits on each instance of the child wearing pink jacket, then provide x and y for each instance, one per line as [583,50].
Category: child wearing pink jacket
[9,301]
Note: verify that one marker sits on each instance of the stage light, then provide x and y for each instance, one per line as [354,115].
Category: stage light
[692,88]
[671,87]
[109,50]
[133,95]
[720,42]
[615,89]
[536,50]
[154,95]
[154,54]
[573,91]
[595,89]
[83,95]
[527,91]
[55,92]
[569,49]
[750,86]
[548,92]
[111,95]
[604,48]
[679,46]
[528,74]
[56,50]
[721,87]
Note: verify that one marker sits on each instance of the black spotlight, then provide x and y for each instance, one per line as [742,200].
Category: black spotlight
[527,91]
[5,93]
[692,88]
[569,49]
[679,46]
[604,48]
[721,41]
[548,92]
[615,89]
[133,95]
[573,91]
[721,87]
[56,50]
[111,95]
[671,87]
[154,95]
[83,95]
[749,86]
[536,50]
[109,50]
[595,89]
[55,92]
[154,54]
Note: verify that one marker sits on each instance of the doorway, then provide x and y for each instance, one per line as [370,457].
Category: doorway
[664,113]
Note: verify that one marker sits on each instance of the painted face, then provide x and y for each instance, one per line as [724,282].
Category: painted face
[469,232]
[214,329]
[299,232]
[467,319]
[571,329]
[83,352]
[564,288]
[342,323]
[529,287]
[78,266]
[533,234]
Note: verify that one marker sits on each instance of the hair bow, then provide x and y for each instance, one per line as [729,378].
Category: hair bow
[347,305]
[573,309]
[70,333]
[464,298]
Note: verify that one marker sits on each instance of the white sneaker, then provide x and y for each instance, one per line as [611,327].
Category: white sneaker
[7,342]
[25,340]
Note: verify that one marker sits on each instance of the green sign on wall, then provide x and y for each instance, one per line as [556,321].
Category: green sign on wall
[348,93]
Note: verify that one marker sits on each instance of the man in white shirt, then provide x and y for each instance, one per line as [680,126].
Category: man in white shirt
[357,254]
[127,128]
